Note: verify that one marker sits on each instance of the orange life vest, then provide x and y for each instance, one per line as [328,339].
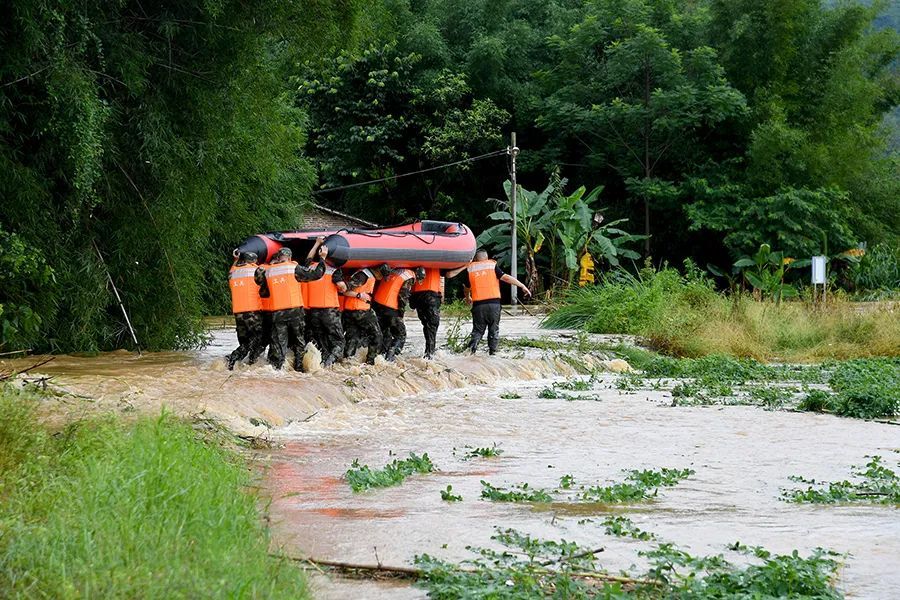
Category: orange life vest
[304,290]
[388,292]
[323,293]
[433,282]
[483,280]
[244,291]
[284,289]
[351,303]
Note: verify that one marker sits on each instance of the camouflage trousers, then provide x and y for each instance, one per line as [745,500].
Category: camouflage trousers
[287,333]
[249,326]
[361,329]
[393,330]
[428,309]
[327,333]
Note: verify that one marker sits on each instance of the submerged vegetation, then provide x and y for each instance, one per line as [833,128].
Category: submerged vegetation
[363,477]
[860,388]
[638,486]
[114,510]
[529,567]
[876,484]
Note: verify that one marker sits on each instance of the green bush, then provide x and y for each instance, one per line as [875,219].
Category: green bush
[878,269]
[145,510]
[662,305]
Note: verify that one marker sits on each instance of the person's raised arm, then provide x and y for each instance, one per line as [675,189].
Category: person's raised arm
[513,281]
[454,272]
[302,273]
[337,278]
[314,250]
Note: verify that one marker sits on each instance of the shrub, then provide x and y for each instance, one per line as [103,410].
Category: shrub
[682,315]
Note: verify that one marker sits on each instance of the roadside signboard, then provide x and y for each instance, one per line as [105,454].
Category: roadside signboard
[818,270]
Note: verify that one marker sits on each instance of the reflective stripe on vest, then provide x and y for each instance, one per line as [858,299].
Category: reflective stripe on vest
[351,303]
[323,293]
[284,289]
[432,283]
[483,280]
[388,292]
[244,291]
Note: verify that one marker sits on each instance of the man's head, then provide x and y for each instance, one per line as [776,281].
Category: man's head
[358,279]
[481,254]
[283,255]
[420,274]
[246,258]
[383,270]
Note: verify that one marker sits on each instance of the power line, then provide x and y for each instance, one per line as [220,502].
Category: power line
[453,164]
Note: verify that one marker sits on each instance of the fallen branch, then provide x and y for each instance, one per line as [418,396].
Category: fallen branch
[26,351]
[416,573]
[5,376]
[547,563]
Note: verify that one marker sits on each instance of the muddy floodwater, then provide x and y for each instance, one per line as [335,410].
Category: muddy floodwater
[743,457]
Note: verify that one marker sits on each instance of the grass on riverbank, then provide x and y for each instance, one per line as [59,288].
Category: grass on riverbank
[682,315]
[143,510]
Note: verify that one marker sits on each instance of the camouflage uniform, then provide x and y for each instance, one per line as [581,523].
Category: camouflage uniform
[361,329]
[428,309]
[393,329]
[249,326]
[288,324]
[326,329]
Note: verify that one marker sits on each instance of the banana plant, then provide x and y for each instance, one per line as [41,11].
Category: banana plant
[533,223]
[565,224]
[765,271]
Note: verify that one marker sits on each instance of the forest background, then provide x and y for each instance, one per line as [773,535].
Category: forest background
[146,140]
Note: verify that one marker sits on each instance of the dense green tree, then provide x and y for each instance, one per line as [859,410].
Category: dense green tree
[636,87]
[381,113]
[153,135]
[819,81]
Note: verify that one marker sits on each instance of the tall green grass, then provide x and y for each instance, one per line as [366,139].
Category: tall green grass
[143,510]
[683,315]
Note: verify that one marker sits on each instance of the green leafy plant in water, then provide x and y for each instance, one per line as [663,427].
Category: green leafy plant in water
[566,482]
[771,397]
[519,493]
[638,486]
[362,477]
[457,340]
[529,567]
[510,396]
[448,495]
[875,484]
[486,452]
[551,393]
[624,527]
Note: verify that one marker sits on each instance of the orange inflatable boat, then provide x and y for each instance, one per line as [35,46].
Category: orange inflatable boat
[433,244]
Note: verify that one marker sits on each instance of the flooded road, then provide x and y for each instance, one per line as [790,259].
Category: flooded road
[742,456]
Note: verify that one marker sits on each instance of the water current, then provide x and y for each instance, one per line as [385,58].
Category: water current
[742,456]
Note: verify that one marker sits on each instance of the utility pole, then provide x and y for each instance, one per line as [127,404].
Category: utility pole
[513,151]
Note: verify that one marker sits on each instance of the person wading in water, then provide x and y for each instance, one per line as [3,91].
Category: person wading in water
[484,280]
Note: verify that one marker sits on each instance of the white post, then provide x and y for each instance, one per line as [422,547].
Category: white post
[513,150]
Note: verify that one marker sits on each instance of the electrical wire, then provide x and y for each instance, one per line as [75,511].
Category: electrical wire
[392,177]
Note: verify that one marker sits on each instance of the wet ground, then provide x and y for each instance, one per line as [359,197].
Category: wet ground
[742,456]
